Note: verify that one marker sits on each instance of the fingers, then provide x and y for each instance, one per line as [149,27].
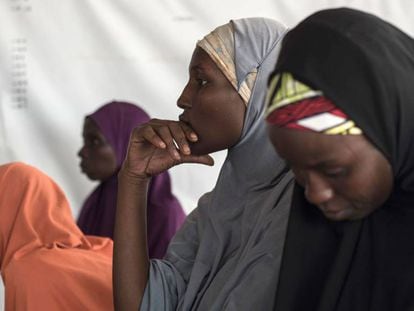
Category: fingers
[175,135]
[189,132]
[166,135]
[204,159]
[149,134]
[180,137]
[159,145]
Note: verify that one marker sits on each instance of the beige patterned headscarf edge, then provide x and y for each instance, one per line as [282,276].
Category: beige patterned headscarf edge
[219,45]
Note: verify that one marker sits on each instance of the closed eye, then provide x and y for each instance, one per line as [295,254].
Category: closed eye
[335,172]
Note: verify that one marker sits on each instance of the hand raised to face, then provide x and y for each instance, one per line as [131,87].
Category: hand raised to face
[159,145]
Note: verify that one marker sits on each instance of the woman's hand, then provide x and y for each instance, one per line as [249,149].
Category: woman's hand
[159,145]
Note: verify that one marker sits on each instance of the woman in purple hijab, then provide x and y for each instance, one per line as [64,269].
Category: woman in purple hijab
[106,134]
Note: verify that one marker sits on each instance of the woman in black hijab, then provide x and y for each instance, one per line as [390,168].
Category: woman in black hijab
[341,112]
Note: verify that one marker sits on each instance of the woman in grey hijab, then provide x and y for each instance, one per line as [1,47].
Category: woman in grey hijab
[228,252]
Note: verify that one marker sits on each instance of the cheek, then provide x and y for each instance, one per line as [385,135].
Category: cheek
[231,113]
[370,184]
[379,181]
[212,108]
[355,189]
[105,159]
[222,113]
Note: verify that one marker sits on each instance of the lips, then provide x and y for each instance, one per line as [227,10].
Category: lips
[183,119]
[82,166]
[335,213]
[331,209]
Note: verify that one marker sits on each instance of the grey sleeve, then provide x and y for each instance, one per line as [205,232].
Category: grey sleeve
[165,286]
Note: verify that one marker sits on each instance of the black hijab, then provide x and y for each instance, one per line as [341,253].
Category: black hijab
[366,67]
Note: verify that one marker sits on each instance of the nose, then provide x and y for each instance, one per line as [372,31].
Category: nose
[82,152]
[317,190]
[184,101]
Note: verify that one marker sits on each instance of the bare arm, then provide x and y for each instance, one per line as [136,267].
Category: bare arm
[130,270]
[151,151]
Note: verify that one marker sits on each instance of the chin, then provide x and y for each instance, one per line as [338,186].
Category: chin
[336,216]
[200,149]
[207,146]
[91,176]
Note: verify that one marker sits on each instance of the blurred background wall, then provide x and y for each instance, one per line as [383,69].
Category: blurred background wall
[61,59]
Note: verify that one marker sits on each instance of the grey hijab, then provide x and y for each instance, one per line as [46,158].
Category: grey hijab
[228,252]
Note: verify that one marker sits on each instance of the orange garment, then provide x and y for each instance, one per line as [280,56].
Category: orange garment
[45,260]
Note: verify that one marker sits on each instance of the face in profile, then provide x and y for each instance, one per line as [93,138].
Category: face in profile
[98,159]
[345,176]
[212,107]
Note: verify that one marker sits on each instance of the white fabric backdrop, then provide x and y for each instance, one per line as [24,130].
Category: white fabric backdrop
[60,60]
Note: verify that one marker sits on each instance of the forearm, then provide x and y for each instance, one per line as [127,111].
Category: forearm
[131,263]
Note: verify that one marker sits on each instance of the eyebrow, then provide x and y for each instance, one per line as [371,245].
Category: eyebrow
[198,68]
[201,66]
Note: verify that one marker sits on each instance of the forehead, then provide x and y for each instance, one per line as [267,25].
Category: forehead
[90,127]
[201,61]
[308,149]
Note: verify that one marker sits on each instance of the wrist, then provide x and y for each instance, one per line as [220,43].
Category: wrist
[125,176]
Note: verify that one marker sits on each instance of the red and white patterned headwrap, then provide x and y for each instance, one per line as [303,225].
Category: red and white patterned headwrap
[292,104]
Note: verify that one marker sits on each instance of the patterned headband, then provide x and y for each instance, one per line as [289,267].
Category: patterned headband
[219,45]
[292,104]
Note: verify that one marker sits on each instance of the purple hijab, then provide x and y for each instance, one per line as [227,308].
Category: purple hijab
[116,120]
